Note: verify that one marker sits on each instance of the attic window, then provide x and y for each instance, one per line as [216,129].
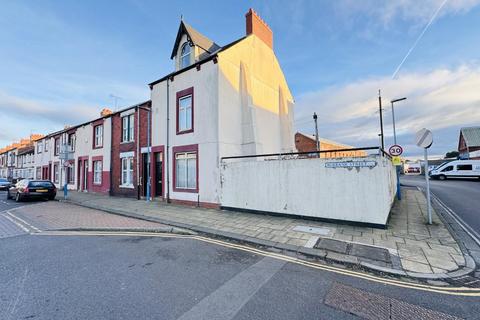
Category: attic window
[185,55]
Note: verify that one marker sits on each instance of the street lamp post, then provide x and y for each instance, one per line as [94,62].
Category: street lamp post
[393,117]
[399,194]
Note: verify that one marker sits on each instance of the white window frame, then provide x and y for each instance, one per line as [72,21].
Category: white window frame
[39,147]
[98,133]
[97,172]
[182,113]
[184,55]
[57,146]
[56,173]
[183,158]
[45,146]
[128,132]
[72,141]
[126,172]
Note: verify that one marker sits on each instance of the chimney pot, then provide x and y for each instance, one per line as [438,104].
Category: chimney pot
[105,112]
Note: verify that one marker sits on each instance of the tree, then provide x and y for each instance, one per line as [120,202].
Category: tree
[452,154]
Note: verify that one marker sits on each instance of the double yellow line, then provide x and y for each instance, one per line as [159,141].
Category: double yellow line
[456,291]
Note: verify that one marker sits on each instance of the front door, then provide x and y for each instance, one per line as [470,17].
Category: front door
[158,174]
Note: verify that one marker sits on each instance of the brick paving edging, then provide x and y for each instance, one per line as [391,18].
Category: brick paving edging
[289,249]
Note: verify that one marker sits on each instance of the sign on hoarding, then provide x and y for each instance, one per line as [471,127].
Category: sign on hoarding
[351,164]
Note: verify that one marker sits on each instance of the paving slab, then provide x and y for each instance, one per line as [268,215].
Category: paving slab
[415,246]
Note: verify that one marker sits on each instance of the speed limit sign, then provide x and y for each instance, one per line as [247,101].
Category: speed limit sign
[395,150]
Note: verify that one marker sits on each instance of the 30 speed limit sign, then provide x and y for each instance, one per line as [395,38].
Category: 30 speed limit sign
[395,150]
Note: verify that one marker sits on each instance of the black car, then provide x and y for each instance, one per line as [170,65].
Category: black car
[26,189]
[4,184]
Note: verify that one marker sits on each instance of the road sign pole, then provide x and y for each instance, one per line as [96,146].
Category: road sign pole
[427,181]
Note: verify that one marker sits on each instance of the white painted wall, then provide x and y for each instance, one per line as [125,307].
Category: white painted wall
[306,187]
[205,83]
[84,146]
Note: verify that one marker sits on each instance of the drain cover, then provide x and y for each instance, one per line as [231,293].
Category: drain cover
[358,250]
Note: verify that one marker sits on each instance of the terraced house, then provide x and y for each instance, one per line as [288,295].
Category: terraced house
[219,101]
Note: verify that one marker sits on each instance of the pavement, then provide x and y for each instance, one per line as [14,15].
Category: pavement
[408,247]
[461,195]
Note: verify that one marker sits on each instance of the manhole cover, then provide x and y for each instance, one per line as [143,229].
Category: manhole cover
[332,245]
[369,252]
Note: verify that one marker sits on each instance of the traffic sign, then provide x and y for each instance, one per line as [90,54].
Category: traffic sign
[395,150]
[424,138]
[396,160]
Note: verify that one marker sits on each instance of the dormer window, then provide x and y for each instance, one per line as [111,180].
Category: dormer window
[185,55]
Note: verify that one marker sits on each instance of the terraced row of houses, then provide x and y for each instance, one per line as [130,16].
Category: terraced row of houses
[219,101]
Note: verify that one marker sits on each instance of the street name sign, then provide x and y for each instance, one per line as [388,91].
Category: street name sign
[351,164]
[395,150]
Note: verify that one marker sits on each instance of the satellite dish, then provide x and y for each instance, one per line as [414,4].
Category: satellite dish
[424,138]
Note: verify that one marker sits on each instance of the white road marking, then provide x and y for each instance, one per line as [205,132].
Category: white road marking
[17,224]
[228,299]
[24,222]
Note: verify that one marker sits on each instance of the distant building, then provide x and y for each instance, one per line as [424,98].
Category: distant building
[307,143]
[469,143]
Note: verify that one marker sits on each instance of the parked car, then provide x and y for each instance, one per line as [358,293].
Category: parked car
[457,169]
[4,184]
[27,189]
[413,170]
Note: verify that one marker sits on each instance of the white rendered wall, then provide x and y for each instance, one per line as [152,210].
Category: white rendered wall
[205,134]
[306,187]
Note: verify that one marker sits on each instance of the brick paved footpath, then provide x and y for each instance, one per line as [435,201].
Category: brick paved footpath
[420,248]
[60,216]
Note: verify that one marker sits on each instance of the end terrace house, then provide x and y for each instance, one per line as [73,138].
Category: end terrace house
[219,101]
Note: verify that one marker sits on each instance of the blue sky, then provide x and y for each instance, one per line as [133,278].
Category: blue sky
[61,60]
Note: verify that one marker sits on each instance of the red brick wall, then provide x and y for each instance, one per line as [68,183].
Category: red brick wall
[119,147]
[305,144]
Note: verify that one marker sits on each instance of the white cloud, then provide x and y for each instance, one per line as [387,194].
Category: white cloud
[440,100]
[22,108]
[412,10]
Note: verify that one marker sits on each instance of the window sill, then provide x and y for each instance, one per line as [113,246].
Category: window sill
[126,186]
[98,184]
[185,131]
[127,142]
[97,147]
[175,189]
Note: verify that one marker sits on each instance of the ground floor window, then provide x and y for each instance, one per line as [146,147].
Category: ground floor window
[97,172]
[39,173]
[186,170]
[56,173]
[71,174]
[127,172]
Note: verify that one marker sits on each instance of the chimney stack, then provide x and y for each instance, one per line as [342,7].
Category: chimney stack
[105,112]
[255,25]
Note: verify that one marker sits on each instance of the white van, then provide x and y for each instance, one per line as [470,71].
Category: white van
[457,169]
